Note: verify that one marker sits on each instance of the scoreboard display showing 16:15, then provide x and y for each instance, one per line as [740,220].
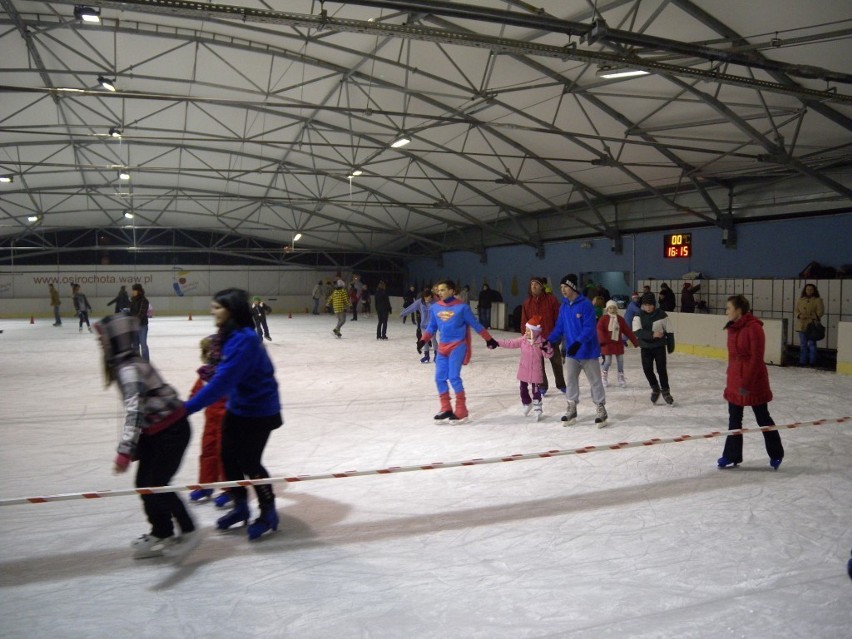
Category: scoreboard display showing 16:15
[677,245]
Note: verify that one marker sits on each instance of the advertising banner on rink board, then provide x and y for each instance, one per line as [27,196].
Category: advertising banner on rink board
[103,281]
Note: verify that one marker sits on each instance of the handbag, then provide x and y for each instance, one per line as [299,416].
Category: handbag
[815,331]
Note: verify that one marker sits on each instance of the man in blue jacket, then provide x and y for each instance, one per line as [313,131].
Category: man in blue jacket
[577,324]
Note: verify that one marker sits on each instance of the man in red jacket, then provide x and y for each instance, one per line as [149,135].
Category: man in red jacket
[546,306]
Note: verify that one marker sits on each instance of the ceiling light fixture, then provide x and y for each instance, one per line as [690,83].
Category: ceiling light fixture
[357,172]
[400,142]
[32,218]
[107,83]
[611,73]
[87,14]
[115,132]
[6,179]
[128,215]
[297,237]
[124,175]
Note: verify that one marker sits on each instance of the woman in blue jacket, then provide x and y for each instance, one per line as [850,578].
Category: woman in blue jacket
[246,377]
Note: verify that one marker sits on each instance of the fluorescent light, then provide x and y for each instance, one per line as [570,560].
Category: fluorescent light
[107,83]
[32,218]
[87,14]
[297,237]
[115,132]
[400,142]
[611,74]
[356,173]
[128,215]
[7,179]
[124,175]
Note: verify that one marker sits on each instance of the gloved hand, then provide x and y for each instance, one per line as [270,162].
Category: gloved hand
[420,344]
[572,350]
[492,343]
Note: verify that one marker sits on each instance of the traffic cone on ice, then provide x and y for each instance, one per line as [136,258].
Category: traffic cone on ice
[32,319]
[290,315]
[189,319]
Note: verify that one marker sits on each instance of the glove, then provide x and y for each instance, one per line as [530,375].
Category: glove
[420,344]
[492,343]
[572,350]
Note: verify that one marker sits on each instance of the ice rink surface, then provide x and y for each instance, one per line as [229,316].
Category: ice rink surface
[642,542]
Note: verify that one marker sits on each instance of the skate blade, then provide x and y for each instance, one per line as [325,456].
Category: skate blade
[569,422]
[460,420]
[602,425]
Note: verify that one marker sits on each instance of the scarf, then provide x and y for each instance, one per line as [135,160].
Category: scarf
[614,332]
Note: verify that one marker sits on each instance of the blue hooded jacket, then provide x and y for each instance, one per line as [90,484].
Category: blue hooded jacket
[577,323]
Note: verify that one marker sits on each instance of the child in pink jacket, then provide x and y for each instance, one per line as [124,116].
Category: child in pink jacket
[531,366]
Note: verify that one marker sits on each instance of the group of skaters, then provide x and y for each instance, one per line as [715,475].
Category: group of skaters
[237,389]
[570,328]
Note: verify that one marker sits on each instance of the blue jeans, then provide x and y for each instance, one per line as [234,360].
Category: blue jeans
[142,342]
[807,349]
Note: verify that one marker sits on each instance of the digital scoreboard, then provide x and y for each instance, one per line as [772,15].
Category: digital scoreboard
[677,245]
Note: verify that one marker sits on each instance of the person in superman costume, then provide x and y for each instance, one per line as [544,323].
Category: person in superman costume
[452,319]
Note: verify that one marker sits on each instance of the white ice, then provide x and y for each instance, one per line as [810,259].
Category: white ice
[642,542]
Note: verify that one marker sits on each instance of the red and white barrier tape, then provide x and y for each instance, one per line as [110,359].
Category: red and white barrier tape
[405,469]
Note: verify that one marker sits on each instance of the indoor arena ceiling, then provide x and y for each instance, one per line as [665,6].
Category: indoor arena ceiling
[257,121]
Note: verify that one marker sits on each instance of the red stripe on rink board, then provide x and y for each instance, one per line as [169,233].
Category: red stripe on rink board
[141,491]
[37,500]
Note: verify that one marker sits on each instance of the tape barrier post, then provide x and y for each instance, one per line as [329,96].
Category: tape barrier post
[97,494]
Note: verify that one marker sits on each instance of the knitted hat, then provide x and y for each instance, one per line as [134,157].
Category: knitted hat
[570,281]
[635,294]
[534,323]
[612,303]
[649,298]
[541,280]
[340,283]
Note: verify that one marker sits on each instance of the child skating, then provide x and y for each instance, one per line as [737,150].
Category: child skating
[155,434]
[653,330]
[530,369]
[423,306]
[210,468]
[612,328]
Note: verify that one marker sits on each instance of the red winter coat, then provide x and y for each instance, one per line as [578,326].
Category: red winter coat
[608,345]
[545,306]
[748,379]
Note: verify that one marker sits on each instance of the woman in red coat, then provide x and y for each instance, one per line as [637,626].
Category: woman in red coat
[748,382]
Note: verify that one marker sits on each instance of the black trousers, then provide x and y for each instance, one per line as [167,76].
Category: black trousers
[261,326]
[734,443]
[558,371]
[243,441]
[655,357]
[159,457]
[382,326]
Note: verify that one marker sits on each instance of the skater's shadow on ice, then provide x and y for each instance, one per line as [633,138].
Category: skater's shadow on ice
[214,546]
[313,521]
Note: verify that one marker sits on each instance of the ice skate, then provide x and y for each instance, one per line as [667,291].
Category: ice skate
[148,546]
[605,378]
[446,411]
[724,462]
[460,413]
[425,358]
[775,463]
[601,416]
[668,397]
[622,381]
[455,419]
[267,521]
[444,416]
[655,395]
[200,494]
[223,499]
[239,514]
[570,415]
[538,411]
[526,408]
